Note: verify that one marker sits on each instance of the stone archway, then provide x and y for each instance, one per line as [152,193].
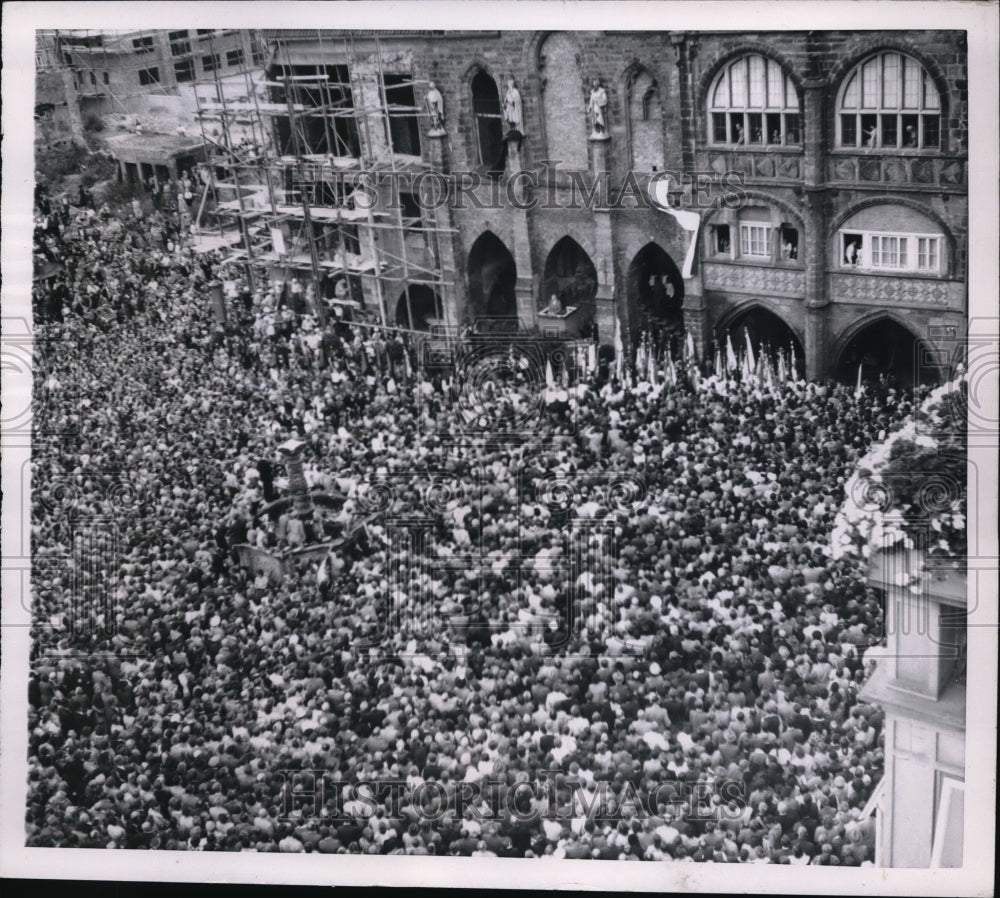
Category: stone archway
[886,350]
[492,276]
[570,274]
[769,334]
[417,308]
[655,290]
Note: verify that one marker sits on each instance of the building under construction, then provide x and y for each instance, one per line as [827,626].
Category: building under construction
[313,173]
[825,174]
[843,241]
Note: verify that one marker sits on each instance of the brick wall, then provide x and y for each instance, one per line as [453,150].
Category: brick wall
[563,108]
[645,118]
[553,74]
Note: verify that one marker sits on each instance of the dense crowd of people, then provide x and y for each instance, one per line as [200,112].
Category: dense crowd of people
[625,638]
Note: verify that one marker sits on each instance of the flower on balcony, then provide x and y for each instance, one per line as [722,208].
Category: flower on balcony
[910,490]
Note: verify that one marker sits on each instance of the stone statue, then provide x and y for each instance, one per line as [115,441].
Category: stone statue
[435,106]
[598,106]
[512,107]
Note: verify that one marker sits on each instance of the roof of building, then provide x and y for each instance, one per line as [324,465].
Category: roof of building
[152,142]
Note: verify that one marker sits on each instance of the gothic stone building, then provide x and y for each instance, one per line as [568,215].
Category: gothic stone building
[829,170]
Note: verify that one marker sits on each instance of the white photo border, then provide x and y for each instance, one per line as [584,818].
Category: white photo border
[19,22]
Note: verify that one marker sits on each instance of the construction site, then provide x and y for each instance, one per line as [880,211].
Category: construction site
[301,172]
[454,182]
[309,174]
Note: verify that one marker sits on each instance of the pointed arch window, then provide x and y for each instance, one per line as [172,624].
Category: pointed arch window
[644,115]
[487,113]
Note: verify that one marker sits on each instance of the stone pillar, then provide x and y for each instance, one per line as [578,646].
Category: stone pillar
[606,301]
[816,343]
[453,300]
[527,301]
[367,89]
[814,204]
[817,349]
[291,451]
[599,144]
[695,319]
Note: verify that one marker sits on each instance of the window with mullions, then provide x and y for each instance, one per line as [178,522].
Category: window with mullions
[888,251]
[149,76]
[754,103]
[879,251]
[210,62]
[889,101]
[179,44]
[142,44]
[184,70]
[755,239]
[234,57]
[927,254]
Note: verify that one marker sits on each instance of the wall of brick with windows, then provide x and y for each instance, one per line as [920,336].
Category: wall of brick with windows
[675,133]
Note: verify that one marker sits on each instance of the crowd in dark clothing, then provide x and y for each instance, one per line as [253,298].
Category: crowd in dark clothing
[717,647]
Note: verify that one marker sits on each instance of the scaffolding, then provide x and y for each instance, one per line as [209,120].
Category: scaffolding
[297,156]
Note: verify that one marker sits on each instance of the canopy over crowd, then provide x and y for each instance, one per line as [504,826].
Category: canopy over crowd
[616,649]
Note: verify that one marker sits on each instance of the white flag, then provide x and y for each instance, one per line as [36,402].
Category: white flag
[619,349]
[731,363]
[751,358]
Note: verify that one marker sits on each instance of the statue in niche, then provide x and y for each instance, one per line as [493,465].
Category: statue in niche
[435,107]
[598,105]
[512,107]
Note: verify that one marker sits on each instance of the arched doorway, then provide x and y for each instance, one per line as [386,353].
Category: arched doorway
[888,352]
[492,277]
[572,277]
[768,334]
[417,307]
[656,293]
